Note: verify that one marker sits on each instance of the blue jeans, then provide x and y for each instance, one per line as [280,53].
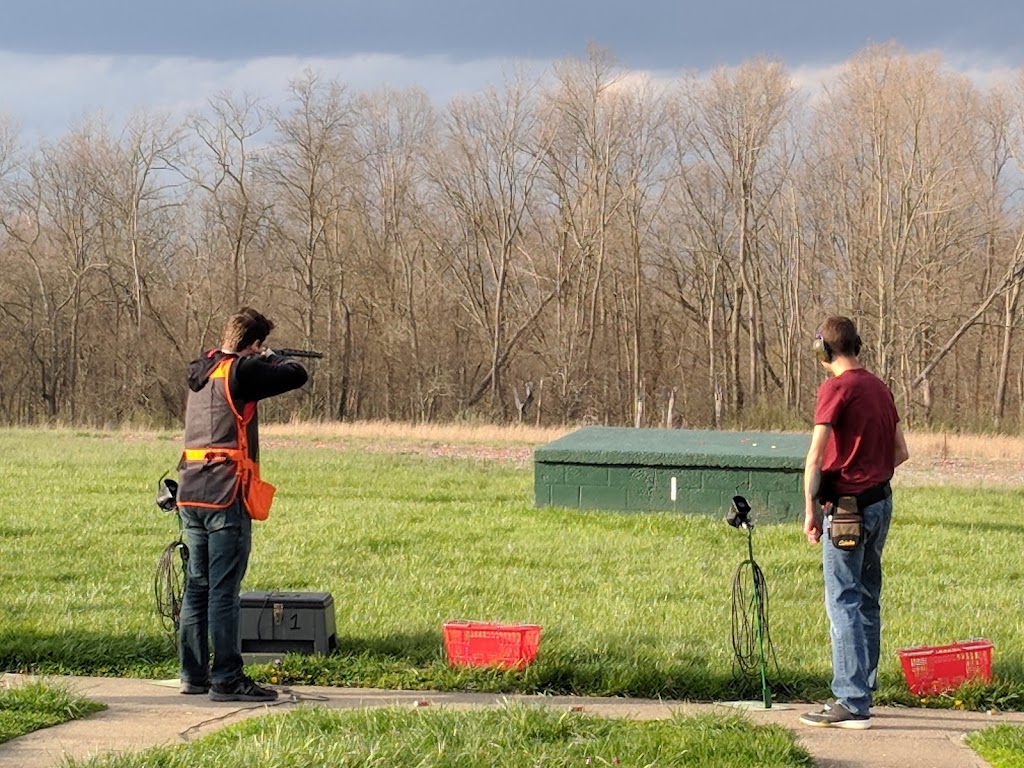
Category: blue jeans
[853,589]
[219,542]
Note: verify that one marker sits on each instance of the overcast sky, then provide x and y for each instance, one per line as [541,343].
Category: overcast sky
[63,59]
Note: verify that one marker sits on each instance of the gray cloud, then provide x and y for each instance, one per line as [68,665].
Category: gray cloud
[643,33]
[47,94]
[63,60]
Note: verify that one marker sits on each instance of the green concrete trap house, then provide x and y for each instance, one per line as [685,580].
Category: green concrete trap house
[689,471]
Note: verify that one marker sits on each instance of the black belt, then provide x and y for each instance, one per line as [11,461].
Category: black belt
[828,495]
[874,495]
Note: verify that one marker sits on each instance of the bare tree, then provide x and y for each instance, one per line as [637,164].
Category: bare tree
[486,175]
[898,149]
[642,179]
[659,255]
[222,169]
[394,134]
[588,128]
[736,131]
[56,231]
[999,133]
[308,172]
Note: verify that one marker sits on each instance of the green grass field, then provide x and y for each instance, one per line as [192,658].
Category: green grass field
[1002,746]
[510,737]
[635,605]
[36,704]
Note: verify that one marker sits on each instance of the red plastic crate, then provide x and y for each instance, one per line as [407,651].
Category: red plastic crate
[935,669]
[481,644]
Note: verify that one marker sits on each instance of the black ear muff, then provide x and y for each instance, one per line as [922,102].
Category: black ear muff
[821,348]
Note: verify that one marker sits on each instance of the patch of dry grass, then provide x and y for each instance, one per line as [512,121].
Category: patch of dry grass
[943,447]
[930,446]
[963,460]
[935,458]
[455,433]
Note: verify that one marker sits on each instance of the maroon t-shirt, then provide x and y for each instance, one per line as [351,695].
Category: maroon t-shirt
[862,412]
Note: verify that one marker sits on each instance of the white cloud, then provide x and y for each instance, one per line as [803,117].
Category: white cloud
[48,94]
[983,70]
[812,80]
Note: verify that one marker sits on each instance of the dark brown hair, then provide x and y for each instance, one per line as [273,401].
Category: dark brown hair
[840,334]
[244,327]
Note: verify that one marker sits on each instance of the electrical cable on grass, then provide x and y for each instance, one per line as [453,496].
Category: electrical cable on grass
[748,613]
[199,728]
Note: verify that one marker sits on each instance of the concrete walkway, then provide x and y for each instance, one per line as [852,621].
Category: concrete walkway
[144,713]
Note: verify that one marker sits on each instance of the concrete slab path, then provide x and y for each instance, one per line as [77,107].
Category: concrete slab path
[144,713]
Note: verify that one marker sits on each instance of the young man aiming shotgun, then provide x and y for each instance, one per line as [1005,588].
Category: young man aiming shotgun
[220,493]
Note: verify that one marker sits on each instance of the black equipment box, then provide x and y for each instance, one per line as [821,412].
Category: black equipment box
[275,623]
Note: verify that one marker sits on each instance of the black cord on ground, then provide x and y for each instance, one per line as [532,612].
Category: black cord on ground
[196,730]
[289,697]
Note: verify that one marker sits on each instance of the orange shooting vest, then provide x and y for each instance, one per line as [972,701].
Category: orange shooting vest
[217,463]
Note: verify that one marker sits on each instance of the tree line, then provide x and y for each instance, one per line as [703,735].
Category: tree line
[588,246]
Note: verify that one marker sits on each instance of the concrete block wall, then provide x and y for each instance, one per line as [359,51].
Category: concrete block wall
[596,469]
[641,489]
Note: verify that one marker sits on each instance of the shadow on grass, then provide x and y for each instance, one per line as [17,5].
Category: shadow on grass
[417,661]
[77,652]
[417,648]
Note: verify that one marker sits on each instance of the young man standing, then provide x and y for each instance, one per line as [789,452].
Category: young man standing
[219,494]
[855,446]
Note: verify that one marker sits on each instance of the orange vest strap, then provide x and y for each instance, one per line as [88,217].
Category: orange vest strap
[212,454]
[222,369]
